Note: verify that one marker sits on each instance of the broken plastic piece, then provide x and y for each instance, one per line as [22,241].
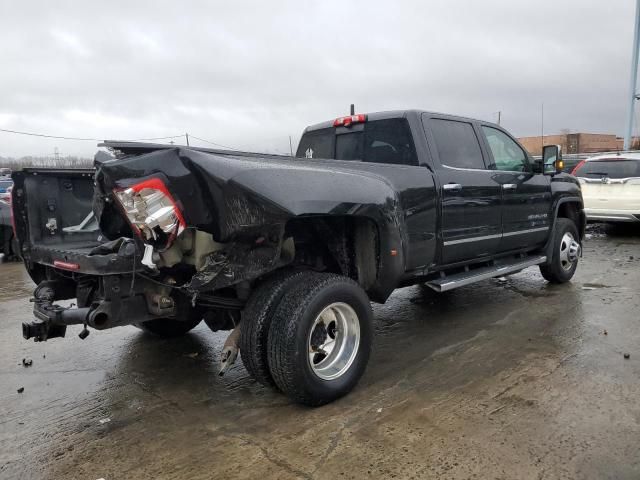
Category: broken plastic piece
[230,350]
[147,257]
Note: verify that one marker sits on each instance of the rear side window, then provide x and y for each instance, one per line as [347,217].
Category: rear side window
[457,144]
[317,144]
[609,168]
[379,141]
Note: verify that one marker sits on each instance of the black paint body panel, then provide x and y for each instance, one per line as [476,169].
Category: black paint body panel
[235,194]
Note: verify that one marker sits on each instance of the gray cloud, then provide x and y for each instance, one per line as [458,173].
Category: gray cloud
[248,74]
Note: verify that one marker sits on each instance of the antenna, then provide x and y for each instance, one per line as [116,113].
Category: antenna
[353,109]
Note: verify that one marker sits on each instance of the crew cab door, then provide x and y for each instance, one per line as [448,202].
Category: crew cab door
[526,197]
[470,194]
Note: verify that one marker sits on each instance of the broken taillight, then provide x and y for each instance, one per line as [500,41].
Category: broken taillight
[152,211]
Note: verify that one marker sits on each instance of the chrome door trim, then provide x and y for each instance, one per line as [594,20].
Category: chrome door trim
[529,230]
[498,235]
[472,239]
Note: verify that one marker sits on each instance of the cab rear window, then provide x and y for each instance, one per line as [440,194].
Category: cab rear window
[379,141]
[614,168]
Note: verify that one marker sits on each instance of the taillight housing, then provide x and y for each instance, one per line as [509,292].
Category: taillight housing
[152,212]
[577,167]
[350,120]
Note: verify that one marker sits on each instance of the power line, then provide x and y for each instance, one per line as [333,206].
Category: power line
[212,143]
[88,139]
[31,134]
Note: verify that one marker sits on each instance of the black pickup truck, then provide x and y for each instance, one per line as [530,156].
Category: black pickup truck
[288,252]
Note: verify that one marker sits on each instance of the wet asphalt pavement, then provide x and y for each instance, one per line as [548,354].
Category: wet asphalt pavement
[510,379]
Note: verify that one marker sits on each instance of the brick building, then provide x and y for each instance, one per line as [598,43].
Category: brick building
[575,143]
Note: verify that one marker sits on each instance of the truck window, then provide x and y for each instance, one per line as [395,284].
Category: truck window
[457,144]
[507,155]
[380,141]
[317,144]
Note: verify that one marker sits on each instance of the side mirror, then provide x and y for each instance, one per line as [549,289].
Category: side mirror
[552,159]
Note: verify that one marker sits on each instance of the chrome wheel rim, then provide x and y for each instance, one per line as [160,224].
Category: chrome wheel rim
[333,341]
[569,251]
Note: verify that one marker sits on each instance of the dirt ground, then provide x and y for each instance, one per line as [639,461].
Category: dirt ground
[512,379]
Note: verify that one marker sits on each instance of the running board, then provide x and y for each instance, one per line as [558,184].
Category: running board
[450,282]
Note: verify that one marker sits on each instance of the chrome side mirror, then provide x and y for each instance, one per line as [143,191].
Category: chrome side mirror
[552,159]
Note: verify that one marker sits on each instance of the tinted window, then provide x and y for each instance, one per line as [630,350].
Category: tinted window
[507,155]
[610,168]
[457,144]
[380,141]
[349,146]
[316,144]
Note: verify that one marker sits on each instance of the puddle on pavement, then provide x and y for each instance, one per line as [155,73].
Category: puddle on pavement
[15,281]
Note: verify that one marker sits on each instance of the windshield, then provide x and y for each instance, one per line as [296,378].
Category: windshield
[378,141]
[614,168]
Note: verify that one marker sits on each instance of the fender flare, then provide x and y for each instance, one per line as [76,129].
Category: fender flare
[581,227]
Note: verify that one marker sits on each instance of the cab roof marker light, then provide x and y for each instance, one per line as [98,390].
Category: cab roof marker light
[349,120]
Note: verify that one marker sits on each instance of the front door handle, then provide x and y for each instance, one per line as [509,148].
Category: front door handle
[452,187]
[509,186]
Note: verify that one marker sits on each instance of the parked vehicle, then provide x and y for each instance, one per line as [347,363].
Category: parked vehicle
[611,187]
[288,252]
[7,242]
[5,189]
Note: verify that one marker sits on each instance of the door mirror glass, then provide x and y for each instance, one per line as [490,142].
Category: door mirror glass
[552,159]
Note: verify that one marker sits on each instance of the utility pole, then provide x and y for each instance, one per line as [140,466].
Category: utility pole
[634,77]
[499,115]
[290,146]
[542,127]
[186,135]
[353,107]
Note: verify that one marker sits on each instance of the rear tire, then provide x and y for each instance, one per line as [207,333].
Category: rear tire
[566,249]
[308,362]
[257,317]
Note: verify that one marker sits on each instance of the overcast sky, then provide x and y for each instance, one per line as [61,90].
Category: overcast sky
[249,74]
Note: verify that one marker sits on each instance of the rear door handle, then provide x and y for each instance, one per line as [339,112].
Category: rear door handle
[509,186]
[452,187]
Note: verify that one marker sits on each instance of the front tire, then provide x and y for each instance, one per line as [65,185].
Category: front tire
[566,250]
[320,339]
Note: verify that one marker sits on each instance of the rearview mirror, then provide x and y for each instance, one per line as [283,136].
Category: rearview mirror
[552,159]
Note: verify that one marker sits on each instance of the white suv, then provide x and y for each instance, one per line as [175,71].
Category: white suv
[610,187]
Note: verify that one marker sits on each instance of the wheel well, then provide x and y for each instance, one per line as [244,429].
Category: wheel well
[345,245]
[573,212]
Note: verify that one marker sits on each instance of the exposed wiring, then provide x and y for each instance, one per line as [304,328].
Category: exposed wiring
[159,282]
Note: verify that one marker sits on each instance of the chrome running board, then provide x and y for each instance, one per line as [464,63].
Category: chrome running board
[449,282]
